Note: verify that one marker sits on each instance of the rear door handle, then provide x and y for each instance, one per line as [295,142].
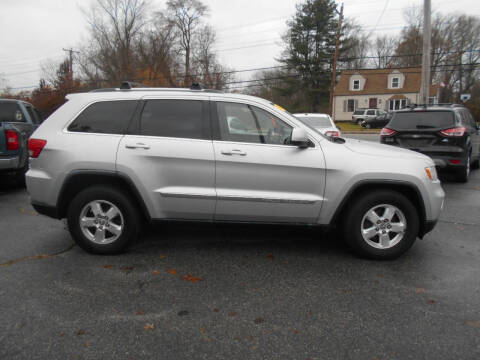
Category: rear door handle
[137,146]
[234,152]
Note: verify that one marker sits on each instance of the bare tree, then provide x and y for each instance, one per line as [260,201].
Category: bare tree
[115,26]
[187,16]
[354,46]
[383,50]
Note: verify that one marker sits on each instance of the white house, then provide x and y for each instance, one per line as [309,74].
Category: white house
[387,89]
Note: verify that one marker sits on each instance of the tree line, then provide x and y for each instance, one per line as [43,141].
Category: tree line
[303,85]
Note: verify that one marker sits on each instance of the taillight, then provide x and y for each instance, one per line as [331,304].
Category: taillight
[35,147]
[12,140]
[332,133]
[456,131]
[387,132]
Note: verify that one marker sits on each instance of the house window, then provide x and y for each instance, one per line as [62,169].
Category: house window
[395,83]
[350,105]
[356,84]
[397,104]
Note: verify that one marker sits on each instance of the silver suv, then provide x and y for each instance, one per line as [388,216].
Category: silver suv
[360,115]
[112,161]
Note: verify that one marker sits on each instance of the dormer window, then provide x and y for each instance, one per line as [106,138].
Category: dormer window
[395,83]
[356,84]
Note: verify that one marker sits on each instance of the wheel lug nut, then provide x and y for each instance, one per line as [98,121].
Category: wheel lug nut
[376,229]
[379,222]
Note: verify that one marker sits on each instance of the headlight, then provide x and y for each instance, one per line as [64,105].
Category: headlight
[431,173]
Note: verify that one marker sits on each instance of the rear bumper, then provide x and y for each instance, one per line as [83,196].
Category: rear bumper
[9,163]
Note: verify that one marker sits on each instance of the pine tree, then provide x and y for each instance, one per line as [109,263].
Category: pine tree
[310,43]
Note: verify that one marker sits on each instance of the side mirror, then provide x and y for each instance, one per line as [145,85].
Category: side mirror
[299,138]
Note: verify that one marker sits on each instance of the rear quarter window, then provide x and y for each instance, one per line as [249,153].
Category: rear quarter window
[105,117]
[414,120]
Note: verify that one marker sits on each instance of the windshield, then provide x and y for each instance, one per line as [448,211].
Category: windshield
[316,121]
[10,112]
[422,120]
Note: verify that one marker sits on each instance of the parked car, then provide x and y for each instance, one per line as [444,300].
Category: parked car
[360,115]
[112,161]
[446,133]
[322,123]
[18,120]
[378,122]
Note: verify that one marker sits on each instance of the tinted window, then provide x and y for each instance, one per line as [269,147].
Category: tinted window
[172,118]
[422,119]
[371,112]
[316,121]
[10,112]
[358,112]
[106,117]
[244,123]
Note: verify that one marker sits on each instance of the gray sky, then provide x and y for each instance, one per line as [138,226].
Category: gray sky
[35,31]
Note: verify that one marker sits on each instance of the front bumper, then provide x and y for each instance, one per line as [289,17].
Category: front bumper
[9,163]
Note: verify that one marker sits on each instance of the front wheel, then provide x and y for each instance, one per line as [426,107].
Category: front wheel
[381,225]
[103,220]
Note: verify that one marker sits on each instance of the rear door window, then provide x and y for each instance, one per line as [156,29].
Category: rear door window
[105,117]
[371,112]
[173,118]
[11,112]
[415,120]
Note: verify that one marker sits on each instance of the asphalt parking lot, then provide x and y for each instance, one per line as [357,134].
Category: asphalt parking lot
[237,292]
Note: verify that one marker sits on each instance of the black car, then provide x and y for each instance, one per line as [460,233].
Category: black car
[378,122]
[447,133]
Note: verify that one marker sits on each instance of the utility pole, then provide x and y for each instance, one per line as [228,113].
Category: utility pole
[70,64]
[427,35]
[335,57]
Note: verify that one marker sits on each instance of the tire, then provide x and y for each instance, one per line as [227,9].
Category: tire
[371,246]
[110,212]
[476,163]
[359,121]
[19,175]
[464,172]
[368,126]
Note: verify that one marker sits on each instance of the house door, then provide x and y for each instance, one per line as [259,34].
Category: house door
[372,103]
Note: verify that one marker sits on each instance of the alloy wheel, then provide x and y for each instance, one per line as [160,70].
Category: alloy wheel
[101,222]
[383,226]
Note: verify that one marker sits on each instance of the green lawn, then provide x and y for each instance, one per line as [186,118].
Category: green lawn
[348,126]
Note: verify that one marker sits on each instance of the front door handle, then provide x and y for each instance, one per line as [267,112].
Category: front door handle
[137,146]
[234,152]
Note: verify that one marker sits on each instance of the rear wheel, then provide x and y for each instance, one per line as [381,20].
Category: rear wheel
[476,163]
[359,121]
[103,220]
[464,171]
[381,225]
[368,126]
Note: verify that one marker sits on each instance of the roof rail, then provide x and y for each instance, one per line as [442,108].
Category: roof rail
[413,106]
[129,85]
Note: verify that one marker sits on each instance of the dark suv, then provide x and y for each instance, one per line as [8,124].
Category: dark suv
[447,133]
